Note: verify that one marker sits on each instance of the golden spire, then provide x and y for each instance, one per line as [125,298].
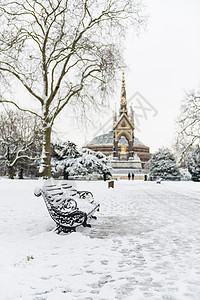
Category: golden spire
[123,101]
[115,115]
[123,92]
[132,115]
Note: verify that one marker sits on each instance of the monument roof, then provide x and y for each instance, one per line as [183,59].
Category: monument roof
[107,139]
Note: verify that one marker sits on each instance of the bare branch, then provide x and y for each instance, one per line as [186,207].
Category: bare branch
[20,108]
[56,49]
[21,80]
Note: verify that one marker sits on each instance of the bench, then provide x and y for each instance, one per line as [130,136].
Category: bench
[67,206]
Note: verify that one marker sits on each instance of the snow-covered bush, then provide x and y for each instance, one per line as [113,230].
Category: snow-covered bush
[68,161]
[93,162]
[163,165]
[193,164]
[64,150]
[62,155]
[185,175]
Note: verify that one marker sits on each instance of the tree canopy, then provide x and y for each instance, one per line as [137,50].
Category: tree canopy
[60,51]
[20,141]
[188,124]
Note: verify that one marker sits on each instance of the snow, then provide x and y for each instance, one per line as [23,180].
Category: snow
[145,244]
[163,165]
[67,157]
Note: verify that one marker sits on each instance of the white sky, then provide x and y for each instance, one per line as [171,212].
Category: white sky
[164,61]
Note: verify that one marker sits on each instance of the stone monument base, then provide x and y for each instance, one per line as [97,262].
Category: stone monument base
[125,164]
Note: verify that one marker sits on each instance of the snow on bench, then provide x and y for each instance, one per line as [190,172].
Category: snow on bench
[67,206]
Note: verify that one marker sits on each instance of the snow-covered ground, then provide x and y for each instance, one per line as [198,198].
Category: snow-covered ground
[144,245]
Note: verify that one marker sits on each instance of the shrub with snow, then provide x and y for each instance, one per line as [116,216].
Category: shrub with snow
[62,155]
[185,174]
[68,161]
[193,164]
[163,165]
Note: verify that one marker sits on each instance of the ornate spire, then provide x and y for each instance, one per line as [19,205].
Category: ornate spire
[123,102]
[123,93]
[132,115]
[115,115]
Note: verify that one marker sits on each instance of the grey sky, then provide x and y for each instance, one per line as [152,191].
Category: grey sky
[164,61]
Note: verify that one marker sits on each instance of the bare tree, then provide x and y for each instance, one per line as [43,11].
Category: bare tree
[61,51]
[188,124]
[19,140]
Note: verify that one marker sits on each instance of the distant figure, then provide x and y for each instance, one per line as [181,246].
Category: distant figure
[104,176]
[145,177]
[133,175]
[129,176]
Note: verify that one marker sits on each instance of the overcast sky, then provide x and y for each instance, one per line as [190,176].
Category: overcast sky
[164,62]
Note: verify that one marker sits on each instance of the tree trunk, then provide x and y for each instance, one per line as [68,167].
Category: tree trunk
[45,165]
[11,173]
[10,169]
[21,173]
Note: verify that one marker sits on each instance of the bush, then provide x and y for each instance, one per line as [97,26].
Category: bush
[163,165]
[193,164]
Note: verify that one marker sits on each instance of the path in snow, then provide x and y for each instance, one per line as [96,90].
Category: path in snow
[145,244]
[162,245]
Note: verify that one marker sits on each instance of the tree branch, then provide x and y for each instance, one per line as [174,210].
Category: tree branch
[22,109]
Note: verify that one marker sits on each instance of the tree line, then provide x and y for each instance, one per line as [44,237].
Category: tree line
[21,148]
[163,165]
[185,153]
[58,52]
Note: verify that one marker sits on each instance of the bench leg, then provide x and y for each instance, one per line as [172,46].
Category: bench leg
[85,224]
[60,229]
[93,217]
[69,230]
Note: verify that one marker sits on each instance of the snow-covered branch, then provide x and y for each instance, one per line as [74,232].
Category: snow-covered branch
[188,124]
[62,51]
[20,140]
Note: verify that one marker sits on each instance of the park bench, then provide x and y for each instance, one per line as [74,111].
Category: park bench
[67,206]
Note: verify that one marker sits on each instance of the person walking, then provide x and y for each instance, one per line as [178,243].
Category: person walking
[129,176]
[104,176]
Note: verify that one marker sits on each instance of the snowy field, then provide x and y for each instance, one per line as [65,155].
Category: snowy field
[144,245]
